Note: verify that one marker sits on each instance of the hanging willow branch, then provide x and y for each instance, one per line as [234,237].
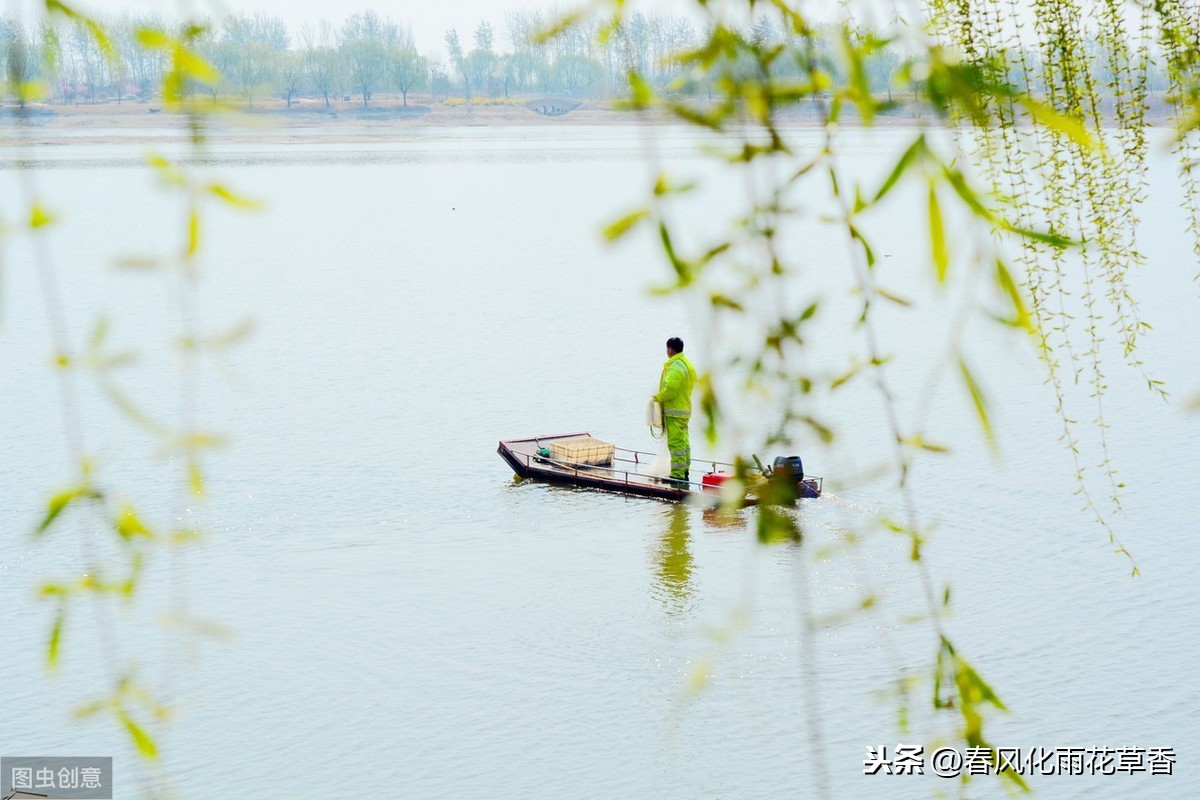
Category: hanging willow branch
[1051,116]
[121,543]
[1086,188]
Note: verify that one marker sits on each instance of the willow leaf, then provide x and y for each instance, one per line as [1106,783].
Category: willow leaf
[154,39]
[718,300]
[190,65]
[921,443]
[558,27]
[625,224]
[937,236]
[964,191]
[130,526]
[91,709]
[892,297]
[1008,285]
[906,160]
[845,377]
[868,253]
[39,217]
[103,42]
[979,400]
[58,503]
[1045,237]
[193,241]
[233,199]
[195,478]
[641,93]
[682,269]
[1049,117]
[142,740]
[52,647]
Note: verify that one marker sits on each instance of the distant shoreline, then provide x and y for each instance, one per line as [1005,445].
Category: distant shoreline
[271,120]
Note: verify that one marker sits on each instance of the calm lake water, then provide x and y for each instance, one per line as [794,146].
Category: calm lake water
[406,620]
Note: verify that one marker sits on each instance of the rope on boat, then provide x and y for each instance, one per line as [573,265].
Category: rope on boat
[654,419]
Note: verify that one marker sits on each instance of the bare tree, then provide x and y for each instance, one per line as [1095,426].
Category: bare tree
[521,65]
[576,73]
[410,70]
[144,66]
[366,38]
[251,45]
[86,54]
[20,57]
[459,61]
[291,73]
[482,61]
[439,81]
[220,54]
[320,57]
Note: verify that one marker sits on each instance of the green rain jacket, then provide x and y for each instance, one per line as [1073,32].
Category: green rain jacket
[675,386]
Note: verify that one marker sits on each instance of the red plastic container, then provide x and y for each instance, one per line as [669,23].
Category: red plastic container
[713,480]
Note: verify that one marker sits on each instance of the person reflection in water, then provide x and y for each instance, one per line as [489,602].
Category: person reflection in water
[674,562]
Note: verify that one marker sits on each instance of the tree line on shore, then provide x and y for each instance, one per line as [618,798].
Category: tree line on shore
[369,56]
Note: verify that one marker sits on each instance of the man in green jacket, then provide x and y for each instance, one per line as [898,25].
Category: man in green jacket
[675,394]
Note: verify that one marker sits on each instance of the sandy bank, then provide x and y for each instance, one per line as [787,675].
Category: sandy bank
[310,121]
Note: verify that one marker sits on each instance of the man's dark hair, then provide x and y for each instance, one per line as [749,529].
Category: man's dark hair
[675,343]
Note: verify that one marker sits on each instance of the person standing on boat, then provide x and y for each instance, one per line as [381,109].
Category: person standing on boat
[675,394]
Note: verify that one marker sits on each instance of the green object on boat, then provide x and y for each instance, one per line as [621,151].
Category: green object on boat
[544,452]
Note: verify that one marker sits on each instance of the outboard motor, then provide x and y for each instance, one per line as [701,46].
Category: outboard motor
[790,464]
[791,468]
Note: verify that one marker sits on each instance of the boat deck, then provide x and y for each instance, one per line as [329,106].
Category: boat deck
[626,474]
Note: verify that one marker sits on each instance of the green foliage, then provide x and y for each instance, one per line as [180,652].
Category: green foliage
[618,228]
[937,236]
[979,400]
[1045,172]
[39,217]
[958,687]
[59,502]
[1035,169]
[254,57]
[142,740]
[1075,168]
[119,540]
[55,637]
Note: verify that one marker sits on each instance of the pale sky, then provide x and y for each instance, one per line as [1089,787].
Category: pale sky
[428,19]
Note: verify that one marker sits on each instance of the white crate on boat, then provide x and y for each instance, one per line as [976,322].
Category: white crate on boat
[582,451]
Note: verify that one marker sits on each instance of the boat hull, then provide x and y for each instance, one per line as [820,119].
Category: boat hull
[624,476]
[522,455]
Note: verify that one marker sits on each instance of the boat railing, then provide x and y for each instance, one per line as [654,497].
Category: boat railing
[623,474]
[815,479]
[650,456]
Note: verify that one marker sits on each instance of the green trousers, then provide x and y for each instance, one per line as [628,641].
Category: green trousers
[679,445]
